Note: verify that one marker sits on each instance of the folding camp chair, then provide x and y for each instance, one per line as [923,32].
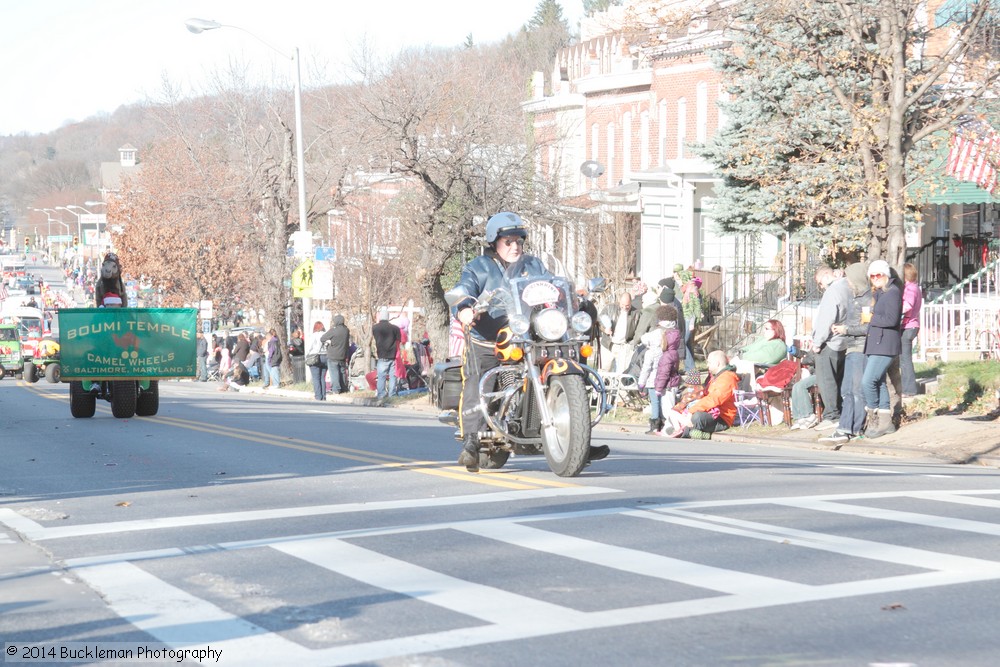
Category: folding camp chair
[750,409]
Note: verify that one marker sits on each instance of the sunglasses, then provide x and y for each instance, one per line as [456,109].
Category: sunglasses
[876,275]
[511,240]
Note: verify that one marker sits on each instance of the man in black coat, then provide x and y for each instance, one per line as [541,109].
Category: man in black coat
[387,337]
[338,340]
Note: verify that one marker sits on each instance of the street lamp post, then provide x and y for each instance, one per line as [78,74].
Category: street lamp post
[198,26]
[79,226]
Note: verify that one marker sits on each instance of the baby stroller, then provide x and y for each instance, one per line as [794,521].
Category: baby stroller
[356,372]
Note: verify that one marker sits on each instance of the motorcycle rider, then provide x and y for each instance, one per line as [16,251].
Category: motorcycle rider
[505,234]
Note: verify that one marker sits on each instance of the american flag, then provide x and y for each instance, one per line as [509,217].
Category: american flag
[973,154]
[3,291]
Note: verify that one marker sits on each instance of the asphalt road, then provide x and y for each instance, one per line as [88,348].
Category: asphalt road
[282,531]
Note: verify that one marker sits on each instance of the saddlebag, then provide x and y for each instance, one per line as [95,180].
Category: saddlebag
[447,384]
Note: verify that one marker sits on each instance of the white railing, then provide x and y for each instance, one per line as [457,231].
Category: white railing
[956,329]
[982,283]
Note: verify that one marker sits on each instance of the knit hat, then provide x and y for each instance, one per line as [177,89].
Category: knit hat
[667,295]
[668,282]
[879,267]
[678,267]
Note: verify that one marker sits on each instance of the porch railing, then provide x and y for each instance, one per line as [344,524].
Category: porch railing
[982,283]
[742,318]
[931,261]
[956,330]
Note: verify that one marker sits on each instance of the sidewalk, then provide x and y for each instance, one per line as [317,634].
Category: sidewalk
[948,438]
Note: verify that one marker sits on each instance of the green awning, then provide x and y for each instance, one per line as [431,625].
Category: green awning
[951,191]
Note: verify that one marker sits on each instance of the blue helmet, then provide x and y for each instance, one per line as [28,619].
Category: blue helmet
[504,224]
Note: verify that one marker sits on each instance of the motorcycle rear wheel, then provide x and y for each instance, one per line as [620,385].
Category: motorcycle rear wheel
[567,453]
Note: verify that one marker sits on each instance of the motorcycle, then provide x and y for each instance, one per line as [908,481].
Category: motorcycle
[537,400]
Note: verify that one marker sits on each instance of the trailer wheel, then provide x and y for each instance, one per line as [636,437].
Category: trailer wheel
[123,398]
[30,373]
[148,402]
[82,404]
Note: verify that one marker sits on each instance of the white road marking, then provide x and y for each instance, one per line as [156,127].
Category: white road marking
[486,603]
[628,560]
[495,615]
[945,497]
[38,532]
[947,523]
[883,471]
[847,546]
[180,619]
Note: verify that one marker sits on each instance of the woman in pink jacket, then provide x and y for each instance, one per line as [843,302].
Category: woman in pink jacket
[912,300]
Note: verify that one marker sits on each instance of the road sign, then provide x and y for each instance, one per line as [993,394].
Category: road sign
[302,280]
[325,253]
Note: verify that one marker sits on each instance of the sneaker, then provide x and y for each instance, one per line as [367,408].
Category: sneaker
[837,437]
[806,422]
[695,434]
[826,425]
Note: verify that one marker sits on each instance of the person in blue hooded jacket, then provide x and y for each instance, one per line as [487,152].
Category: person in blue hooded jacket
[505,234]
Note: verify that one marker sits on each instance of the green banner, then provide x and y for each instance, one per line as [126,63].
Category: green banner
[127,343]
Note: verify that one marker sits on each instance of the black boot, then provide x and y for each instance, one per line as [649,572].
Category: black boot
[653,426]
[470,453]
[598,453]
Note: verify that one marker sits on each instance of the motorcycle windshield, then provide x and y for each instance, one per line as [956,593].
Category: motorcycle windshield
[532,288]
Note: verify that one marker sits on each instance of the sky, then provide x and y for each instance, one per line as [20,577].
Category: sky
[66,60]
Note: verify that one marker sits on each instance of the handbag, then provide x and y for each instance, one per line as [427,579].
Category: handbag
[312,359]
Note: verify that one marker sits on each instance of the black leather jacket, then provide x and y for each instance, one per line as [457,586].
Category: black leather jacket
[485,273]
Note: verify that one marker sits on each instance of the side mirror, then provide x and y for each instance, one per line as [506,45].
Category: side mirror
[596,285]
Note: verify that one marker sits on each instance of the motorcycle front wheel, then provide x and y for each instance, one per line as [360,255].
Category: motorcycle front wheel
[568,449]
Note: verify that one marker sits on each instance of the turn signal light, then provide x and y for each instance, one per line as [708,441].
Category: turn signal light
[586,351]
[517,354]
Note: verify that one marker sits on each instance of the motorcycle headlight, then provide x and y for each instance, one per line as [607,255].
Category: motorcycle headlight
[519,324]
[551,324]
[581,322]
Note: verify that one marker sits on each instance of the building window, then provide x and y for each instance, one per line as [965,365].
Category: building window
[627,145]
[720,105]
[611,156]
[681,126]
[662,134]
[701,113]
[644,140]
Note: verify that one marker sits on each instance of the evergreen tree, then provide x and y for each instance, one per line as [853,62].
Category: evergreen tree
[785,154]
[591,7]
[848,93]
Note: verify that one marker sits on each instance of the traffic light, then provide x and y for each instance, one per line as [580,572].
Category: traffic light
[27,241]
[76,240]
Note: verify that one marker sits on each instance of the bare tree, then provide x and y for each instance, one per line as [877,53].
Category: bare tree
[450,123]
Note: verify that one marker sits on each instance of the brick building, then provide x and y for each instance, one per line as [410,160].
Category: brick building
[634,113]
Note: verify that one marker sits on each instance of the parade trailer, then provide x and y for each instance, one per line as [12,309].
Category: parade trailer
[120,355]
